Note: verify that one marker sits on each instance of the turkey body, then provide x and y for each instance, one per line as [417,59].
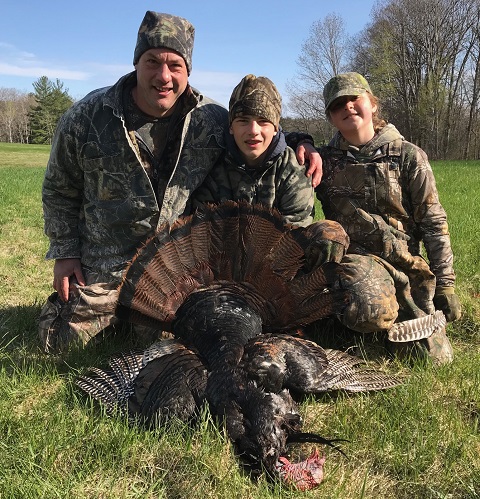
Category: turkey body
[230,284]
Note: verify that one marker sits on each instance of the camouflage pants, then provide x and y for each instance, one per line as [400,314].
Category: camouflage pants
[379,294]
[414,281]
[74,323]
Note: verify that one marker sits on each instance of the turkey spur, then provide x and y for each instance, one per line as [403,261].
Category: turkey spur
[230,283]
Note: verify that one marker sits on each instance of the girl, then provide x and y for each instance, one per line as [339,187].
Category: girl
[382,190]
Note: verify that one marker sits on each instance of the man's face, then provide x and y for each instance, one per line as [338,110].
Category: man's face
[162,77]
[253,135]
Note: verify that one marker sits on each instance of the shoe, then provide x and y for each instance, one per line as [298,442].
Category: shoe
[439,347]
[436,347]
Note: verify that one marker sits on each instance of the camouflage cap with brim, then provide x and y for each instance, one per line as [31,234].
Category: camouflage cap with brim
[256,96]
[344,84]
[165,31]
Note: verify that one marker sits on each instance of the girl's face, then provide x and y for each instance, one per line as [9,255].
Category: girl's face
[352,115]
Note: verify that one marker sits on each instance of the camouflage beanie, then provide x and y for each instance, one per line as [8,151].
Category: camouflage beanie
[165,31]
[344,84]
[256,96]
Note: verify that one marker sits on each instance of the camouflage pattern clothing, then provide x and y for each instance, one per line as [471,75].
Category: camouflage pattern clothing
[99,202]
[256,96]
[344,84]
[159,30]
[392,179]
[385,197]
[279,183]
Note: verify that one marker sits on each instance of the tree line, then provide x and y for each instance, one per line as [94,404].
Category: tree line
[32,117]
[421,58]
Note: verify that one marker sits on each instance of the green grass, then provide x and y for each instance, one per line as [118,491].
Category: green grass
[29,155]
[420,440]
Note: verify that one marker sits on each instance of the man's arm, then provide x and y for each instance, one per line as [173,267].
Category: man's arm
[303,145]
[62,192]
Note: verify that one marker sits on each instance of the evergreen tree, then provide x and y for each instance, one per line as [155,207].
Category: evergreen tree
[52,100]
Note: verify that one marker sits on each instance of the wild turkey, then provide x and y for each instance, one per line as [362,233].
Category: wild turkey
[230,283]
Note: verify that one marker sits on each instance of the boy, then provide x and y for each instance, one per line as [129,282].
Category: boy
[258,166]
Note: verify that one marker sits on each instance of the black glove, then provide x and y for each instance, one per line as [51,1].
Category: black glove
[448,302]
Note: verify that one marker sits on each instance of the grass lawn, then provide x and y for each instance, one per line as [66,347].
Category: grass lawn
[420,440]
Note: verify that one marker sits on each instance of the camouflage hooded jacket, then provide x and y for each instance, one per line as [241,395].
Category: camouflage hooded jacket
[390,177]
[99,204]
[279,183]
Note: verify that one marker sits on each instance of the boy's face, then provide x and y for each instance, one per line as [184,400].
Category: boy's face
[253,135]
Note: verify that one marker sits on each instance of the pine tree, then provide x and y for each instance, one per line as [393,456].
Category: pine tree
[52,100]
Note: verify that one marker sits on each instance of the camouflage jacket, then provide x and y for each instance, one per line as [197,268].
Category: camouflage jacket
[98,201]
[279,183]
[389,177]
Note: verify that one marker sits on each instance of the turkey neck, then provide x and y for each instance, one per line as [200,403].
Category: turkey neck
[218,323]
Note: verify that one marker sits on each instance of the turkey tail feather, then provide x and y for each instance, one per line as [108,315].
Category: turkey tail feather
[248,246]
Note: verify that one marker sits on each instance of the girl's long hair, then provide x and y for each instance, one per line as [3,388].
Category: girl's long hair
[378,121]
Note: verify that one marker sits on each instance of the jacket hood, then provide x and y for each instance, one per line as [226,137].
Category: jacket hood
[384,136]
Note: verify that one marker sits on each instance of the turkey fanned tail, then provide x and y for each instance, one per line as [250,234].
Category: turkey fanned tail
[245,247]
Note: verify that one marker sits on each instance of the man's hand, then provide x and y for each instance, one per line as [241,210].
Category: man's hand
[307,154]
[66,272]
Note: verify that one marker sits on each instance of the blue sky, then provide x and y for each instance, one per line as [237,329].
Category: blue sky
[89,44]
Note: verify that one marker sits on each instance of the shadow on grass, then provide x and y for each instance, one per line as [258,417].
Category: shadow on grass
[20,347]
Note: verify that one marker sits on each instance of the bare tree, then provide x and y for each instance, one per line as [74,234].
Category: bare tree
[323,53]
[322,56]
[14,109]
[416,52]
[470,92]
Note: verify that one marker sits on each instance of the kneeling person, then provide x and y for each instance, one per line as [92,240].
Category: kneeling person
[258,166]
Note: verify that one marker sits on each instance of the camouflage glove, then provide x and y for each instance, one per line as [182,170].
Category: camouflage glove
[381,239]
[448,302]
[320,252]
[328,243]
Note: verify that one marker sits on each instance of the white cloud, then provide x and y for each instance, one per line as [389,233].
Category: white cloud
[16,62]
[37,71]
[9,50]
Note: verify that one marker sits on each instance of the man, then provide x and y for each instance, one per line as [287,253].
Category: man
[124,160]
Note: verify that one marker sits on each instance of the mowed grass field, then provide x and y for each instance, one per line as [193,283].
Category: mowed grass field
[420,440]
